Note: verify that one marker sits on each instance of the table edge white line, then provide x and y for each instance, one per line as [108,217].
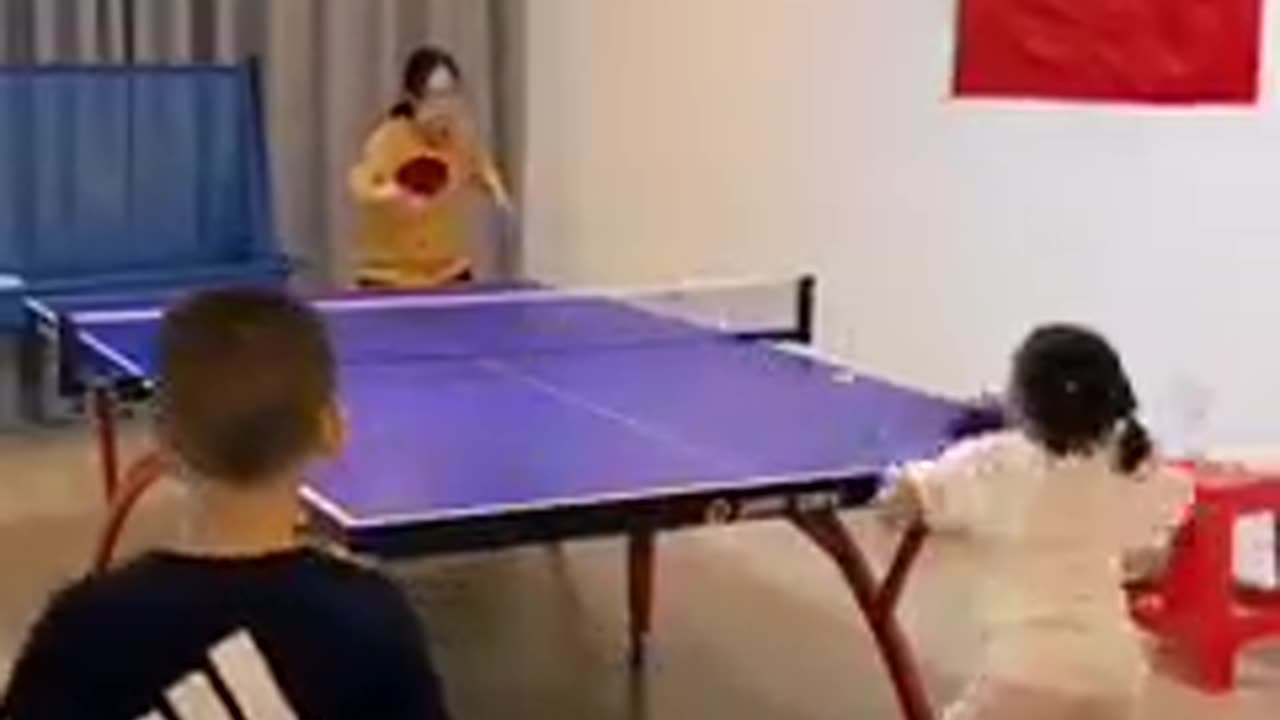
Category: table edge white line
[383,520]
[326,505]
[100,346]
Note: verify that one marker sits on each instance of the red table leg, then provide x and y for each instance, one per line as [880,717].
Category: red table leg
[142,475]
[876,601]
[640,571]
[102,406]
[895,580]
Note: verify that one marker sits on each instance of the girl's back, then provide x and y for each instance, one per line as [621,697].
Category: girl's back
[1051,531]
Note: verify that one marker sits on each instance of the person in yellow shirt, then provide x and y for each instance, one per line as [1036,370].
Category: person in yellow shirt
[416,238]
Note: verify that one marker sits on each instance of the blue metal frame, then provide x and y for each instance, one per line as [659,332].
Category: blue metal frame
[251,251]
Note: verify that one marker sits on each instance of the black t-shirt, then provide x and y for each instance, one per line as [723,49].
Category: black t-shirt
[168,635]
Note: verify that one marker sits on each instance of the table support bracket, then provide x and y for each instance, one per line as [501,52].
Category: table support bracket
[877,601]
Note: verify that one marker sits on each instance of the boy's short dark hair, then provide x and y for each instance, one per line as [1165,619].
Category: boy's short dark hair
[245,377]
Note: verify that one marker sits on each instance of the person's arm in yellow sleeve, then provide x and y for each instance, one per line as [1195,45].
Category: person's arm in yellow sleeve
[481,165]
[371,180]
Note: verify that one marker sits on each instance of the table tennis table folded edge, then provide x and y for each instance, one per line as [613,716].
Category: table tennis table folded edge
[489,527]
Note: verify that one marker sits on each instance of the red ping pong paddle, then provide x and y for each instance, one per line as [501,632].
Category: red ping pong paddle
[425,175]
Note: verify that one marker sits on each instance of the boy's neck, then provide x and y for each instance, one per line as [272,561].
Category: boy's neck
[236,521]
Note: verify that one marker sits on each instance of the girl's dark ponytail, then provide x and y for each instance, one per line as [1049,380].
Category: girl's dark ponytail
[1134,446]
[402,109]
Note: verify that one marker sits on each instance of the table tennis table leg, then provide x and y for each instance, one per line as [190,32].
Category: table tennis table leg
[640,572]
[876,600]
[102,406]
[141,476]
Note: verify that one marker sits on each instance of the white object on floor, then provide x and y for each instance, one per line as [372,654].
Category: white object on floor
[1254,556]
[1254,559]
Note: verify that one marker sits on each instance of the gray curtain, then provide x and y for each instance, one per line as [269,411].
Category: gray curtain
[330,69]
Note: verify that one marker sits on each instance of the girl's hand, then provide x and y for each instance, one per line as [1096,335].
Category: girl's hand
[485,177]
[899,502]
[488,181]
[392,194]
[386,192]
[454,131]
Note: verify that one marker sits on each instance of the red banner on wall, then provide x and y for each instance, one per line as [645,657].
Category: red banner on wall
[1153,51]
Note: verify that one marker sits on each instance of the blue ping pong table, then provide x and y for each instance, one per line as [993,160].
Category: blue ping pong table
[487,421]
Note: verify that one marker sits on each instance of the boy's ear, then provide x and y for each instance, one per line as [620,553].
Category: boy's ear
[333,430]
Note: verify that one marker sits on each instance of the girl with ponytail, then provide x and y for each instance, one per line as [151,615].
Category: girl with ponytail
[1058,502]
[421,172]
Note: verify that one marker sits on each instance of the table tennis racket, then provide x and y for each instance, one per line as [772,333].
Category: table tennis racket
[425,175]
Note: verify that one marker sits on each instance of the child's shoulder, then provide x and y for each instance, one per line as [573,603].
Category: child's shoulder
[974,460]
[98,603]
[164,590]
[353,591]
[344,567]
[161,579]
[1001,445]
[135,578]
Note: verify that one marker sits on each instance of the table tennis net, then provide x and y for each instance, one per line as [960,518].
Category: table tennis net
[380,328]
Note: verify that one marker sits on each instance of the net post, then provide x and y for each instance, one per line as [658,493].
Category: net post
[806,305]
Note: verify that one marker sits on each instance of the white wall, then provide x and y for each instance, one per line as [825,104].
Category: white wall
[716,137]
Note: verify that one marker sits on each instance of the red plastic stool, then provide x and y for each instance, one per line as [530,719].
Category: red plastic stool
[1195,606]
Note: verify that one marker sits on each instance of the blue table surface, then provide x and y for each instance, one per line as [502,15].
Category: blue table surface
[477,410]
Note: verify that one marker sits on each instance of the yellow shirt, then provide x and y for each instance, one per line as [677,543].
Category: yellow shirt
[400,246]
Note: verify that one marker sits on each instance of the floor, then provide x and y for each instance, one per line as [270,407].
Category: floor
[751,623]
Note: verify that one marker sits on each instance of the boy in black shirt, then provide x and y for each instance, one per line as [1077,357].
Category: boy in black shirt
[241,622]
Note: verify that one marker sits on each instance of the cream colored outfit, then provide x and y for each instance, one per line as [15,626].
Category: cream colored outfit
[1052,531]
